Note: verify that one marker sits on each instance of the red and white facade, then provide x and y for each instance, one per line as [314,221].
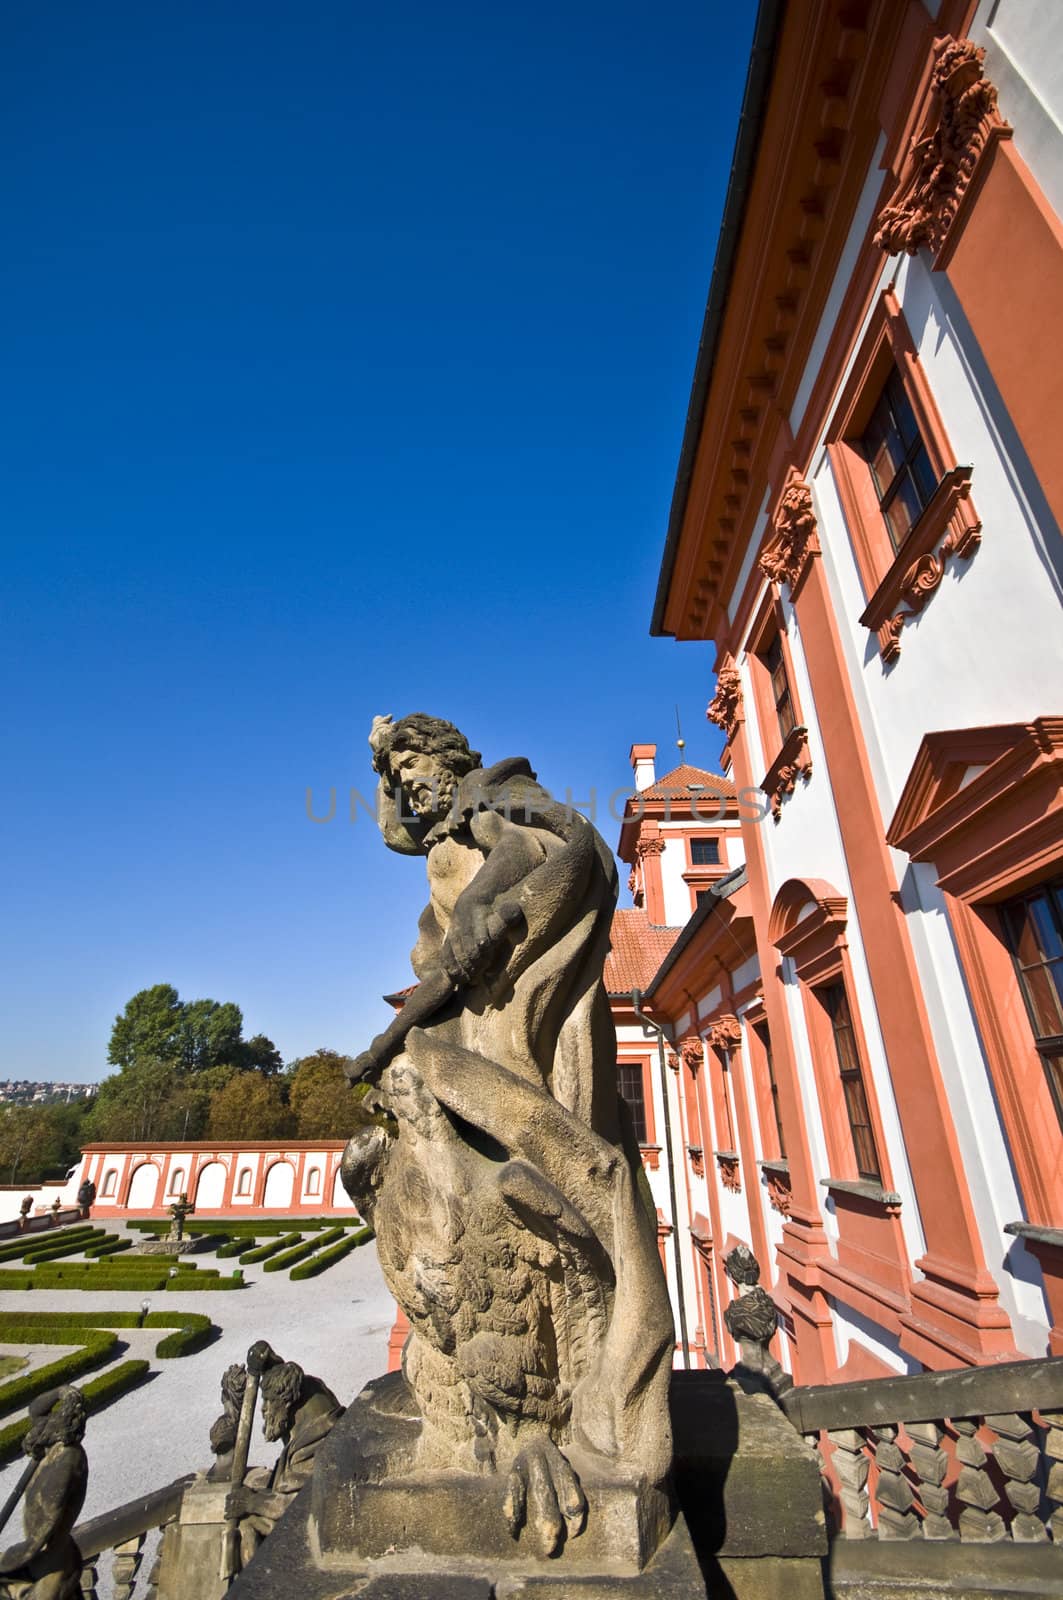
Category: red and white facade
[290,1178]
[867,1027]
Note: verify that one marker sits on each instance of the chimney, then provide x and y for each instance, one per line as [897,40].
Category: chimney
[642,761]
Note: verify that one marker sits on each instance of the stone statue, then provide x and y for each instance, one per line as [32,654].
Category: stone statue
[223,1429]
[297,1409]
[751,1321]
[24,1209]
[46,1564]
[508,1222]
[180,1209]
[86,1197]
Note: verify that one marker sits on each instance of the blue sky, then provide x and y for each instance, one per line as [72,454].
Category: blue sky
[347,351]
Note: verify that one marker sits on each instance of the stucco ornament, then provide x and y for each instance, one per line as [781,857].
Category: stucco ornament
[508,1222]
[794,534]
[959,120]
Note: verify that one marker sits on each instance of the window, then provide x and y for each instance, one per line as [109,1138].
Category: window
[629,1083]
[836,1003]
[243,1182]
[313,1181]
[109,1180]
[704,852]
[177,1178]
[780,686]
[1033,928]
[900,467]
[700,897]
[761,1031]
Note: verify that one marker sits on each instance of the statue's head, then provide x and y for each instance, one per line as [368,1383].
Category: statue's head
[426,756]
[281,1389]
[57,1417]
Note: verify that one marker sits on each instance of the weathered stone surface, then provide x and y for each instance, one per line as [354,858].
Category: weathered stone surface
[53,1497]
[508,1222]
[920,1571]
[747,1482]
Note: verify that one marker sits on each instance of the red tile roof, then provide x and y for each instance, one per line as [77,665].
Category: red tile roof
[639,947]
[684,777]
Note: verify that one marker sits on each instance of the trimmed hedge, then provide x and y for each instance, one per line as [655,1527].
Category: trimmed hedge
[109,1246]
[193,1330]
[288,1258]
[248,1225]
[73,1247]
[202,1281]
[97,1393]
[263,1251]
[328,1258]
[94,1346]
[235,1247]
[40,1241]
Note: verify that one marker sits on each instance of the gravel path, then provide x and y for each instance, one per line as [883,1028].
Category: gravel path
[335,1325]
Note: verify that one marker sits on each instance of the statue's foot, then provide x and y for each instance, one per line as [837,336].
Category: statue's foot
[544,1495]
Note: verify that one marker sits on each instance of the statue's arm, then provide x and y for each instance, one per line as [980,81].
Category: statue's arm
[488,910]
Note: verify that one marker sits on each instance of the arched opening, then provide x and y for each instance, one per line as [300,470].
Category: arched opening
[280,1182]
[313,1181]
[341,1200]
[210,1187]
[177,1180]
[144,1188]
[110,1179]
[243,1182]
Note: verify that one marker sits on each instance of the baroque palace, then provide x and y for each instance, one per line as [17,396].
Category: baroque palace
[838,987]
[862,1072]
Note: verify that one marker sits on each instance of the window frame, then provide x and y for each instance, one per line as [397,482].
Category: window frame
[639,1058]
[1049,1046]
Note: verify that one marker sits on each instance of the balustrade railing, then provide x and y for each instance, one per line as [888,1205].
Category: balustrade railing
[125,1532]
[974,1456]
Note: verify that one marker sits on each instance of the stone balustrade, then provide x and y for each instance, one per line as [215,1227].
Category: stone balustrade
[124,1533]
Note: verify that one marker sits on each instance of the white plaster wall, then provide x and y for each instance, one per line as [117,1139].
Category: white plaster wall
[745,974]
[1023,58]
[850,1327]
[709,1002]
[673,859]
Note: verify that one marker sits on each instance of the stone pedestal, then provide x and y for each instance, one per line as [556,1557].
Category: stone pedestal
[198,1553]
[750,1527]
[750,1488]
[174,1247]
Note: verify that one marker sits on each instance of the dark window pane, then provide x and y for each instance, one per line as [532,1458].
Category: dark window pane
[836,1002]
[761,1031]
[900,467]
[629,1083]
[705,852]
[1034,926]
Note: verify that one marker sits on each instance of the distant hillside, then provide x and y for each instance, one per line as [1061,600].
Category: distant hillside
[26,1092]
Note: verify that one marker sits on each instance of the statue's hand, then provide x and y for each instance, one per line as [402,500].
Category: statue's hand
[367,1065]
[239,1502]
[477,936]
[544,1494]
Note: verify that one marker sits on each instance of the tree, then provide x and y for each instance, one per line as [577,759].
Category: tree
[259,1054]
[133,1103]
[323,1104]
[250,1106]
[147,1028]
[31,1141]
[209,1034]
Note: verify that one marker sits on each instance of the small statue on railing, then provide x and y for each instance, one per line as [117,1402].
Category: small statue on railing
[751,1321]
[181,1208]
[86,1198]
[223,1429]
[299,1410]
[46,1564]
[25,1207]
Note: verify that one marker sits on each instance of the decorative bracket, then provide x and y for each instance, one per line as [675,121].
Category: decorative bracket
[794,538]
[793,761]
[918,570]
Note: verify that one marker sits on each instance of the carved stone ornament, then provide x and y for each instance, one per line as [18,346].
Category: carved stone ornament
[47,1561]
[780,1194]
[724,1033]
[959,123]
[650,847]
[530,1419]
[727,1162]
[697,1159]
[752,1319]
[793,761]
[692,1052]
[726,703]
[949,529]
[794,539]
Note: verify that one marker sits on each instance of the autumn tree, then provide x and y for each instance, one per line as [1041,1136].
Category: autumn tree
[323,1104]
[31,1141]
[250,1106]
